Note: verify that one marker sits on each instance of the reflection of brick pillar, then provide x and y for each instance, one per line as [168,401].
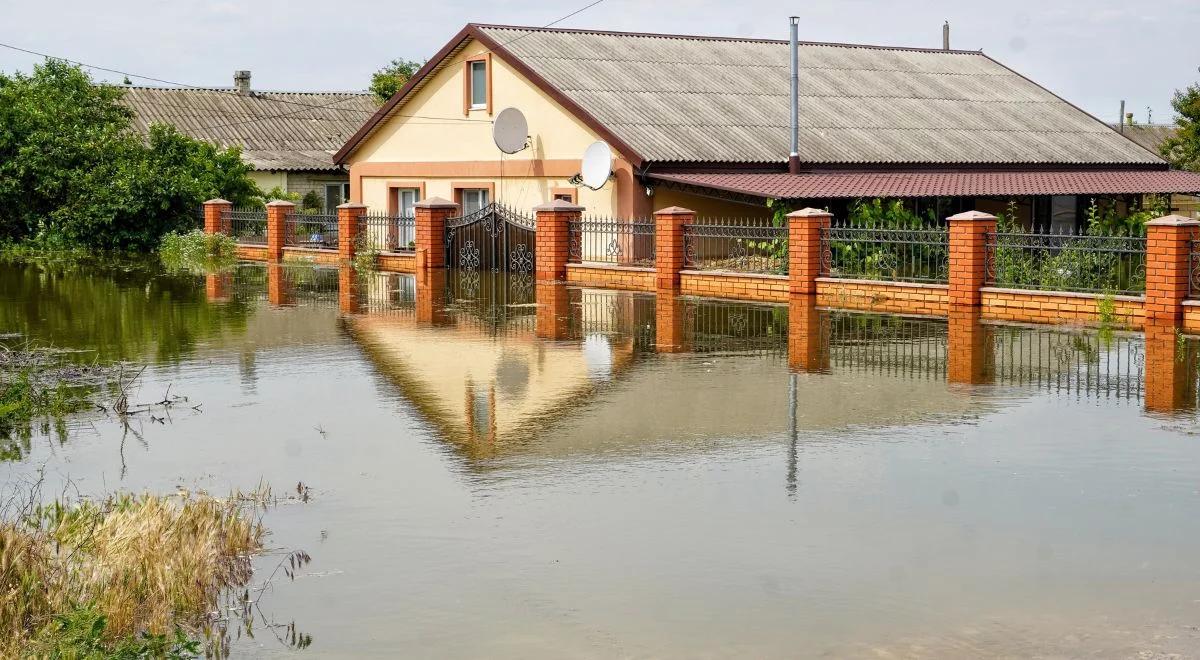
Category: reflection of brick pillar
[968,244]
[970,356]
[278,288]
[1170,370]
[216,286]
[808,336]
[804,248]
[431,296]
[430,219]
[349,290]
[668,242]
[553,311]
[670,326]
[278,213]
[349,224]
[1168,247]
[216,218]
[552,243]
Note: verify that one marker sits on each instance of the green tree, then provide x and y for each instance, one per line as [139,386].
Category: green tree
[388,80]
[1183,149]
[74,173]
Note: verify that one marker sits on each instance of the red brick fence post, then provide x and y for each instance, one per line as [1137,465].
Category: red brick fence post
[349,217]
[668,245]
[1168,252]
[278,212]
[968,248]
[804,249]
[553,239]
[216,220]
[430,219]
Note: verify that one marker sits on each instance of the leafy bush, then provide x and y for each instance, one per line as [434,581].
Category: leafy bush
[74,172]
[388,80]
[197,251]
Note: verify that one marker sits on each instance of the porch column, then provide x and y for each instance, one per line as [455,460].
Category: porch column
[216,216]
[970,357]
[808,336]
[277,216]
[349,224]
[552,244]
[968,248]
[804,249]
[668,244]
[430,219]
[1168,251]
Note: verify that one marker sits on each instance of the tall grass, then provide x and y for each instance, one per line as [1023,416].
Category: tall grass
[142,572]
[197,252]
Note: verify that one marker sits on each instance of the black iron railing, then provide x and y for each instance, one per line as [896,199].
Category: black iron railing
[744,245]
[246,225]
[873,253]
[311,230]
[611,241]
[387,233]
[1067,262]
[1194,269]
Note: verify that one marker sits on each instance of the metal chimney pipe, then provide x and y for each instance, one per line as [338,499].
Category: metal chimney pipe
[794,157]
[946,35]
[1121,118]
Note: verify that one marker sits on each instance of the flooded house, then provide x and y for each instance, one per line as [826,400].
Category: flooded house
[705,123]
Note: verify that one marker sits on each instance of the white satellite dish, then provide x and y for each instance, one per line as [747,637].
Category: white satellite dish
[510,130]
[597,165]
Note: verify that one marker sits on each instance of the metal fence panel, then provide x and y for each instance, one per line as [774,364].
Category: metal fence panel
[611,241]
[873,253]
[744,245]
[1067,262]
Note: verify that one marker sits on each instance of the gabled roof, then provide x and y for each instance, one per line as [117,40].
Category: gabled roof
[276,130]
[686,99]
[1149,136]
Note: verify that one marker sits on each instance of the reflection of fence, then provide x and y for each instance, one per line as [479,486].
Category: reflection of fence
[744,245]
[390,293]
[246,225]
[387,233]
[901,255]
[1086,363]
[1066,262]
[311,230]
[609,240]
[617,314]
[496,304]
[737,328]
[891,345]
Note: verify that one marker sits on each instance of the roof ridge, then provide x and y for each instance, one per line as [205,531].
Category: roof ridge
[698,37]
[254,91]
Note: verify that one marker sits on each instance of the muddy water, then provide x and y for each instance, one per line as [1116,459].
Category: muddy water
[504,470]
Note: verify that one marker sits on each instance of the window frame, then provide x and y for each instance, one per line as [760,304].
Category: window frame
[460,197]
[468,87]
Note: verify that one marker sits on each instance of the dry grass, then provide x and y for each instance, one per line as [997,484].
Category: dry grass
[148,564]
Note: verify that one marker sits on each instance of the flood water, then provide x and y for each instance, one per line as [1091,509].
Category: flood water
[500,469]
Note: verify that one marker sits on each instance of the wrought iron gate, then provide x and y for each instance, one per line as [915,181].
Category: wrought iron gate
[493,238]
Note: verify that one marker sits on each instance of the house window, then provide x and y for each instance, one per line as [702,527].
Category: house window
[477,84]
[474,199]
[406,200]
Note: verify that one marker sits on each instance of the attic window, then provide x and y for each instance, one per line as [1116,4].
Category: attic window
[477,84]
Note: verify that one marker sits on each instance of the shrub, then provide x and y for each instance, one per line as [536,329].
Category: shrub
[197,251]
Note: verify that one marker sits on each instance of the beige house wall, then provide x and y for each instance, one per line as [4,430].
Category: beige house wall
[268,180]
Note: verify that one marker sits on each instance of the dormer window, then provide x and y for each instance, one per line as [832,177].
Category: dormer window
[477,84]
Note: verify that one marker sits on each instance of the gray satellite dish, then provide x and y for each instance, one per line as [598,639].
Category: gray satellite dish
[510,131]
[597,165]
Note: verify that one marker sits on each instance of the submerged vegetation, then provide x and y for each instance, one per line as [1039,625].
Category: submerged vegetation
[39,387]
[197,252]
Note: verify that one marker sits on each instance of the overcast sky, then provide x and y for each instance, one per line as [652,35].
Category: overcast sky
[1092,53]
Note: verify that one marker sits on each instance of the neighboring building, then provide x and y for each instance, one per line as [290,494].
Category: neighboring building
[703,122]
[1149,136]
[288,137]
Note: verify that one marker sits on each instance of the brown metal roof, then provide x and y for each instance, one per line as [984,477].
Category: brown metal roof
[276,130]
[835,185]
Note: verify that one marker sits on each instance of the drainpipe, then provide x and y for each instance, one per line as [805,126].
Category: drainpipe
[794,157]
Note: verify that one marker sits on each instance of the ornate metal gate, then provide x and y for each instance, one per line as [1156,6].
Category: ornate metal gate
[493,238]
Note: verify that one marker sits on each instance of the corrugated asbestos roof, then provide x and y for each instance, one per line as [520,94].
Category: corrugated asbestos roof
[697,99]
[276,130]
[836,185]
[1149,136]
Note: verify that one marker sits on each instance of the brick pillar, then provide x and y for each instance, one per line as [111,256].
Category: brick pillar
[349,289]
[216,220]
[967,247]
[808,336]
[278,288]
[553,309]
[430,222]
[552,243]
[1168,248]
[668,244]
[349,224]
[670,323]
[1170,370]
[970,356]
[277,215]
[217,286]
[431,296]
[804,249]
